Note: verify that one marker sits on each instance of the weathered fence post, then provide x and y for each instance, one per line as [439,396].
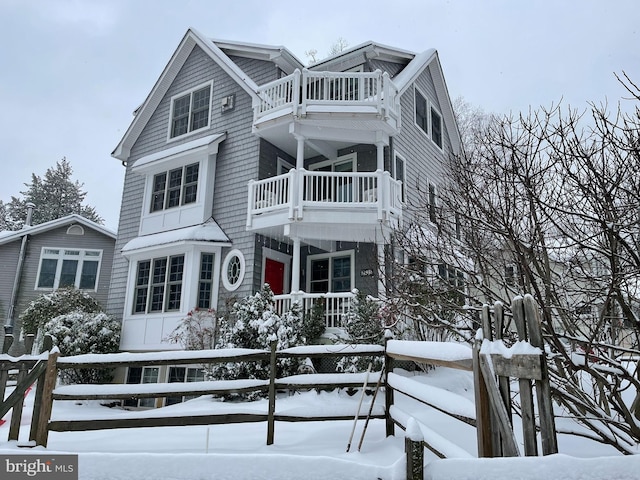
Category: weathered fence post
[483,411]
[47,344]
[414,450]
[16,414]
[50,379]
[526,390]
[388,391]
[543,388]
[272,395]
[8,341]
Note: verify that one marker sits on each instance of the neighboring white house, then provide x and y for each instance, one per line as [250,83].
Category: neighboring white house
[245,167]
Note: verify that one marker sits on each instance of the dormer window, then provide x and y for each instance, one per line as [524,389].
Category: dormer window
[190,111]
[175,188]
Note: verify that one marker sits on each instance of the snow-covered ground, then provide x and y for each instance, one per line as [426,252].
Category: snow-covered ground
[309,450]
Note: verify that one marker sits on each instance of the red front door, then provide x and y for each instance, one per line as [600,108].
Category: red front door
[274,275]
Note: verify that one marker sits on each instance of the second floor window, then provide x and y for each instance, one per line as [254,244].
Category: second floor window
[159,284]
[422,120]
[63,267]
[436,127]
[190,112]
[175,188]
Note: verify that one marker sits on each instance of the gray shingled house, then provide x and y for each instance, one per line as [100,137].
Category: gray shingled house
[67,252]
[245,167]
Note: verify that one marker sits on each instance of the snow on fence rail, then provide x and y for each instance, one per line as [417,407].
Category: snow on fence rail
[445,354]
[153,418]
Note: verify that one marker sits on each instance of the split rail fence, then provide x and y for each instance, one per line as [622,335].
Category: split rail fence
[491,414]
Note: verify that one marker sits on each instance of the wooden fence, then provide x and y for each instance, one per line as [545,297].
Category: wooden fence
[492,363]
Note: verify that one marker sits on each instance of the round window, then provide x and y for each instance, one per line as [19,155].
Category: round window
[233,270]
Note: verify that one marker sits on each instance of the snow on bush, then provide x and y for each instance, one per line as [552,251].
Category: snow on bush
[253,323]
[79,333]
[53,304]
[365,322]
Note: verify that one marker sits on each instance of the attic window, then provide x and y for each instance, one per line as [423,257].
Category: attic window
[190,110]
[421,112]
[75,230]
[436,127]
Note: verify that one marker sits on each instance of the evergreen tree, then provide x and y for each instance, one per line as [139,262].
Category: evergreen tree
[54,196]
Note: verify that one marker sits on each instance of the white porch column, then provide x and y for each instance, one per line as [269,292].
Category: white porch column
[300,152]
[380,156]
[295,269]
[381,271]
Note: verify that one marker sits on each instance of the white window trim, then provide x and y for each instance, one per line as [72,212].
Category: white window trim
[60,257]
[225,265]
[283,166]
[182,94]
[321,256]
[183,215]
[190,276]
[342,159]
[278,257]
[404,173]
[415,119]
[437,110]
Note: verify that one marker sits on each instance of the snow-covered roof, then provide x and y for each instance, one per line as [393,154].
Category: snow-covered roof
[168,154]
[369,48]
[278,54]
[10,236]
[206,232]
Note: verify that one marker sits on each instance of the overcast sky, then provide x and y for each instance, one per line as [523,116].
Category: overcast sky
[73,71]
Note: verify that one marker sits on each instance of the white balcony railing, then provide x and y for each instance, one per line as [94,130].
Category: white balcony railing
[335,305]
[302,91]
[301,189]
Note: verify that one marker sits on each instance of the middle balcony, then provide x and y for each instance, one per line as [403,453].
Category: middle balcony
[319,205]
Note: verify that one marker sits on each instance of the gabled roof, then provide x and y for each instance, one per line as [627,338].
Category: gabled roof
[171,70]
[279,55]
[403,80]
[369,50]
[415,64]
[10,236]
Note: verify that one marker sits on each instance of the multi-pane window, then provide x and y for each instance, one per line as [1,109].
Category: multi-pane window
[398,173]
[158,286]
[182,375]
[175,188]
[137,375]
[433,217]
[190,111]
[330,274]
[63,267]
[205,284]
[453,280]
[422,120]
[436,127]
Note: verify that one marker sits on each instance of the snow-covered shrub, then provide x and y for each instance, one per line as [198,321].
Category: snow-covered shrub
[364,323]
[313,323]
[253,323]
[78,333]
[52,304]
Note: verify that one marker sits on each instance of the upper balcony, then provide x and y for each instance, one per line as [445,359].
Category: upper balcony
[318,205]
[355,106]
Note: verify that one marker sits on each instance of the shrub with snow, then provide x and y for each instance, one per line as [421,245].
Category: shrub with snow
[364,323]
[53,304]
[78,333]
[253,323]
